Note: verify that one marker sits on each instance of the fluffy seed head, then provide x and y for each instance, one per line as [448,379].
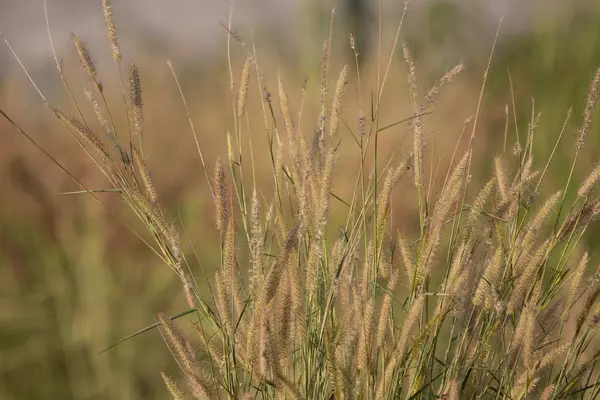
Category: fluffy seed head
[412,80]
[589,109]
[173,388]
[337,101]
[146,177]
[243,91]
[448,76]
[221,210]
[577,277]
[112,32]
[589,182]
[87,63]
[501,177]
[135,94]
[84,133]
[285,109]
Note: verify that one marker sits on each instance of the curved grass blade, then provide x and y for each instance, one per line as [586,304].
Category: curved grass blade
[146,329]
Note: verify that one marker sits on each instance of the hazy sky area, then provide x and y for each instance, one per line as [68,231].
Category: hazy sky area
[189,27]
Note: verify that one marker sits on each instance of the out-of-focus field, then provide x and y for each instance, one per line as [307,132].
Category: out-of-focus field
[74,280]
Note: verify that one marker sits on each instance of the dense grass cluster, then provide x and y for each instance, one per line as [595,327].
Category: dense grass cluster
[487,301]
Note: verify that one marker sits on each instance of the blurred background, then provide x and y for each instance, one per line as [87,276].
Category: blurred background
[73,280]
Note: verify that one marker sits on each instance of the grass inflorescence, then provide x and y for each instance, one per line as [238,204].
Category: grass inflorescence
[485,301]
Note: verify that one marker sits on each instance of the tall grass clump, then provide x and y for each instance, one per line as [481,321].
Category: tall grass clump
[488,299]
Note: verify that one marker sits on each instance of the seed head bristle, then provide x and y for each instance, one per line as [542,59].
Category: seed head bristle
[135,94]
[524,385]
[580,220]
[519,332]
[479,204]
[528,337]
[365,341]
[84,133]
[453,392]
[288,387]
[412,80]
[548,392]
[177,343]
[190,295]
[146,177]
[326,181]
[401,344]
[112,32]
[514,193]
[221,209]
[368,265]
[589,182]
[88,63]
[524,281]
[256,242]
[156,221]
[362,123]
[230,276]
[418,152]
[577,277]
[222,303]
[501,177]
[457,275]
[286,110]
[383,205]
[243,90]
[540,218]
[546,358]
[446,78]
[407,257]
[100,116]
[386,307]
[337,101]
[483,295]
[173,388]
[281,320]
[323,91]
[449,195]
[589,110]
[298,321]
[274,276]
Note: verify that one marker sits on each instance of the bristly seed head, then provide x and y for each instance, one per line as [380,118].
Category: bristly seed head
[337,101]
[285,109]
[243,91]
[221,212]
[112,32]
[589,110]
[135,94]
[589,182]
[84,133]
[87,62]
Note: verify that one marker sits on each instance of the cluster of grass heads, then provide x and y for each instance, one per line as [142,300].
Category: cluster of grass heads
[487,301]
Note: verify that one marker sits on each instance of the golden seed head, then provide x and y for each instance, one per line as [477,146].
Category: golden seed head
[220,191]
[87,62]
[112,32]
[243,91]
[146,177]
[590,182]
[589,110]
[285,109]
[135,95]
[337,101]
